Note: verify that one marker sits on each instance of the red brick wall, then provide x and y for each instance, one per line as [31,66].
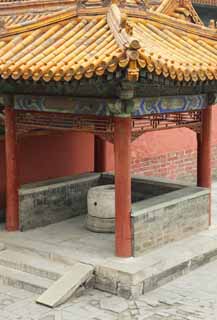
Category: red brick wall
[46,157]
[180,165]
[170,153]
[173,165]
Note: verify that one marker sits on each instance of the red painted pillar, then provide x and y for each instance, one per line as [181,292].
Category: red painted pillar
[12,200]
[99,155]
[122,142]
[204,170]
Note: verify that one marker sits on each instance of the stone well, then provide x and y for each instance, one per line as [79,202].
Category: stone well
[162,211]
[101,208]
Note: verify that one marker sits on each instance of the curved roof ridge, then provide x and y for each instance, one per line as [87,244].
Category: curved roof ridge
[24,12]
[122,31]
[170,6]
[165,5]
[11,4]
[37,23]
[181,25]
[115,17]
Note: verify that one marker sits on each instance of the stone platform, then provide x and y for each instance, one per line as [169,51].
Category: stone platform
[127,277]
[162,210]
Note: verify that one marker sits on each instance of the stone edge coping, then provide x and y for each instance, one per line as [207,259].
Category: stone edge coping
[56,183]
[167,199]
[150,180]
[78,178]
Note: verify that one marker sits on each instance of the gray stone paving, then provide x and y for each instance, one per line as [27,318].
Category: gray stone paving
[191,297]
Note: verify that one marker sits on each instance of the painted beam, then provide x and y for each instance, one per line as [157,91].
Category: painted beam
[108,107]
[169,104]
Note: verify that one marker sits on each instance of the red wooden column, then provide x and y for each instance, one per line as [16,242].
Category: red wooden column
[12,201]
[122,142]
[99,155]
[204,170]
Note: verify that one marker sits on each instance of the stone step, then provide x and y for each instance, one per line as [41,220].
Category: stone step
[64,288]
[23,280]
[33,264]
[41,249]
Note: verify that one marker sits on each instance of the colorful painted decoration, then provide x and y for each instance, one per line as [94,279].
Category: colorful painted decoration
[103,107]
[168,104]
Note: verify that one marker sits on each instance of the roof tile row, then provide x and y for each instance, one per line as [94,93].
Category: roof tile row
[69,46]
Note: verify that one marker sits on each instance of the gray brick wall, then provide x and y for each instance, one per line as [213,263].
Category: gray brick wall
[54,200]
[170,217]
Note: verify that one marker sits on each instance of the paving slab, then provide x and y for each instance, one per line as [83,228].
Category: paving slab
[114,304]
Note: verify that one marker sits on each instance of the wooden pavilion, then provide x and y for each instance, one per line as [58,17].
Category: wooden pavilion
[115,69]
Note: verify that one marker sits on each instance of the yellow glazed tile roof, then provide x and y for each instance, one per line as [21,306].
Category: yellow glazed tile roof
[14,12]
[93,39]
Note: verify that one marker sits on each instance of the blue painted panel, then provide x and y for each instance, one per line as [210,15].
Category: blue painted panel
[168,104]
[105,107]
[62,104]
